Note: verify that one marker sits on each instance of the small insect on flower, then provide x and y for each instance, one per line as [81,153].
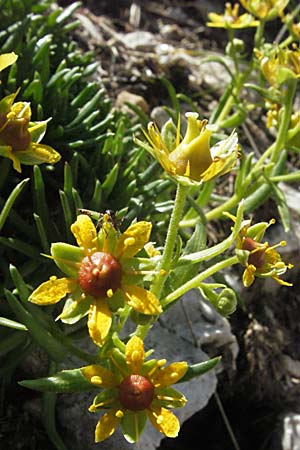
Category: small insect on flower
[108,216]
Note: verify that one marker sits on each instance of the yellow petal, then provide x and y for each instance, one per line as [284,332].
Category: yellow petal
[169,375]
[248,275]
[133,239]
[85,232]
[141,300]
[7,152]
[164,421]
[99,376]
[52,291]
[99,321]
[135,354]
[38,154]
[7,59]
[106,426]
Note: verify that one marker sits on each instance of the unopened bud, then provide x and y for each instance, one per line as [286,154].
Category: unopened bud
[226,302]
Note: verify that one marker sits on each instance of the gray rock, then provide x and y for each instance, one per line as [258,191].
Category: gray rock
[291,432]
[139,40]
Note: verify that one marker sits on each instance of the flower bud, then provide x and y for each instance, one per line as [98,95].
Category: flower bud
[236,46]
[226,302]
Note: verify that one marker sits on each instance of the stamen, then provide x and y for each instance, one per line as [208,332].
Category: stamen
[109,293]
[96,406]
[96,380]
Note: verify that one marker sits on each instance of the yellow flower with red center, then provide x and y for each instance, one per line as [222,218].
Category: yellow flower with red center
[265,9]
[20,138]
[231,18]
[102,274]
[191,159]
[261,259]
[134,390]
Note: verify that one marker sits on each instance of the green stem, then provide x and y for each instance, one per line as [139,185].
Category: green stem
[195,282]
[259,33]
[240,78]
[166,259]
[214,213]
[285,120]
[227,107]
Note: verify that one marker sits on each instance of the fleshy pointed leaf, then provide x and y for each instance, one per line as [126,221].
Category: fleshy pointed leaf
[64,381]
[199,369]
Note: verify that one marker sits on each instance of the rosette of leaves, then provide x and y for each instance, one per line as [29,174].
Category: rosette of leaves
[100,167]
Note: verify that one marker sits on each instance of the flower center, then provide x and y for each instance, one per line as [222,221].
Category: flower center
[136,392]
[15,133]
[100,273]
[257,257]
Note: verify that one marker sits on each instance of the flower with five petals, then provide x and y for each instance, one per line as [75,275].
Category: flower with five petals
[231,19]
[20,138]
[102,275]
[261,259]
[134,390]
[190,160]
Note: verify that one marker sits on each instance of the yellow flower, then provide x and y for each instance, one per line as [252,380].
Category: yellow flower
[261,259]
[231,18]
[101,273]
[265,9]
[134,390]
[7,59]
[191,159]
[19,137]
[279,64]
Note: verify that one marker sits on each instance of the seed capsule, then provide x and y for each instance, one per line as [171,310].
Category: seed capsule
[99,274]
[136,392]
[257,258]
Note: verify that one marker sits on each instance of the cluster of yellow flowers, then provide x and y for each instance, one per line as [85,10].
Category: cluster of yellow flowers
[104,275]
[259,9]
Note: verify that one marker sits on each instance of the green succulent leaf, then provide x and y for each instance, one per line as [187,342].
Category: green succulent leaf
[199,369]
[61,382]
